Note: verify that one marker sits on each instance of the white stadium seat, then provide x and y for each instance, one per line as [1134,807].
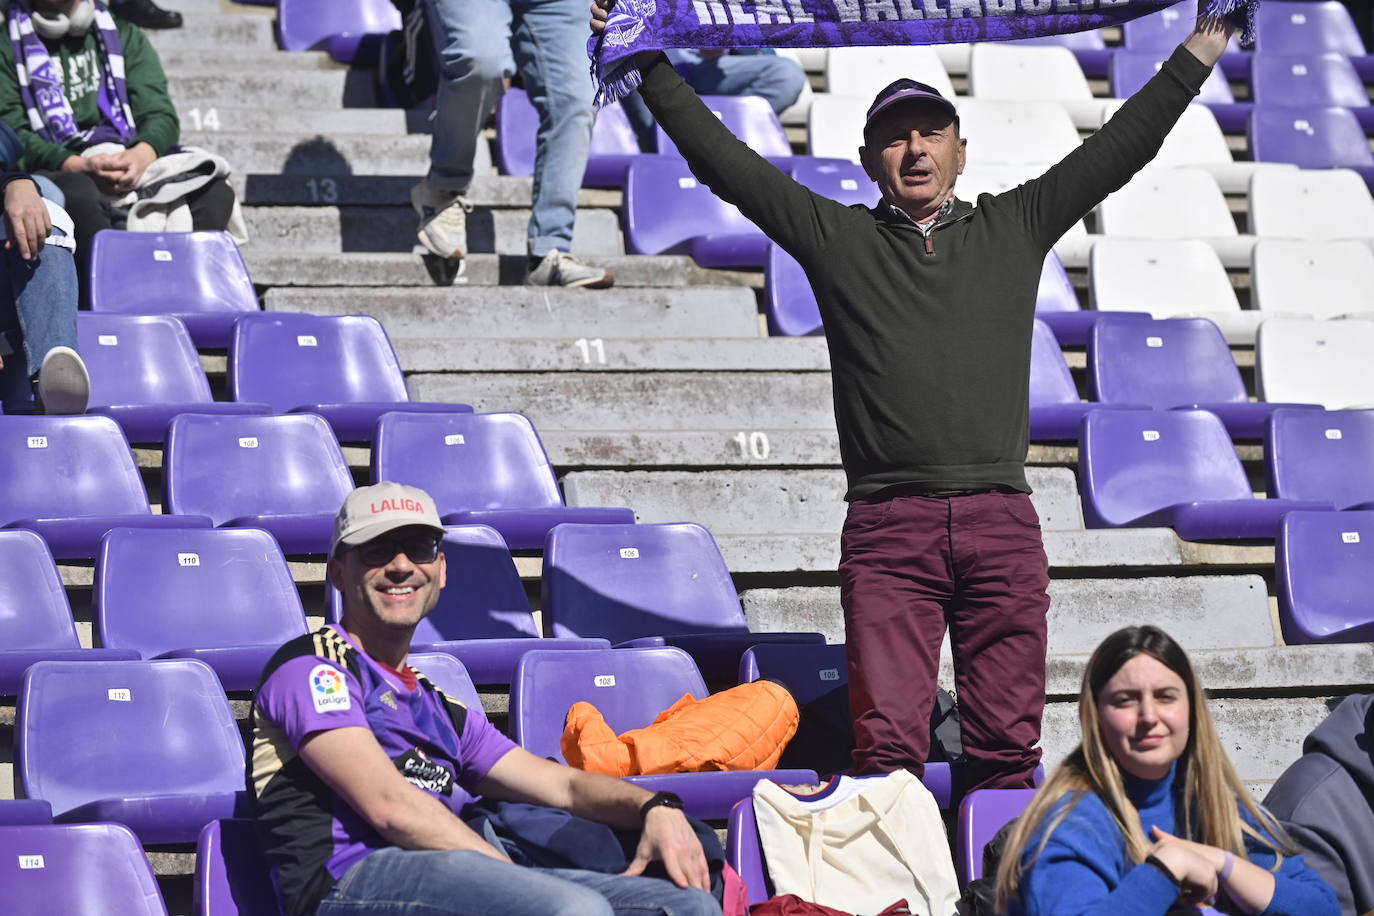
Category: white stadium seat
[1017,133]
[1311,204]
[835,125]
[863,71]
[1034,73]
[1301,361]
[1175,204]
[1322,279]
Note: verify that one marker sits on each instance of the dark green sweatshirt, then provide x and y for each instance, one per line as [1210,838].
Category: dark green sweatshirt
[929,349]
[79,59]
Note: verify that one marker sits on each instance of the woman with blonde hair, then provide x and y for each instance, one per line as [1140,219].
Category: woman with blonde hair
[1147,815]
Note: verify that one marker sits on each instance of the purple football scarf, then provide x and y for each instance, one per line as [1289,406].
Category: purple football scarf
[647,25]
[49,112]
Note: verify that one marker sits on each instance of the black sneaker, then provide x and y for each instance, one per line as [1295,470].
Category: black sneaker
[147,14]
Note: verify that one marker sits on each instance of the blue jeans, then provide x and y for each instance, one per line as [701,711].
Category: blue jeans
[397,881]
[38,301]
[481,43]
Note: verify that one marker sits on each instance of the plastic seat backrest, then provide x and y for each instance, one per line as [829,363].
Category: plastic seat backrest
[788,297]
[1324,279]
[308,24]
[862,72]
[149,273]
[517,122]
[666,207]
[1146,207]
[140,359]
[1029,73]
[623,582]
[1310,138]
[489,602]
[1055,292]
[232,876]
[67,467]
[1195,140]
[1164,363]
[151,584]
[94,730]
[1285,25]
[1301,361]
[1041,132]
[837,179]
[77,870]
[1301,80]
[809,672]
[448,674]
[467,461]
[227,467]
[1159,31]
[1129,70]
[34,610]
[1050,379]
[287,361]
[982,814]
[1321,455]
[1310,204]
[1322,562]
[1161,277]
[835,126]
[630,687]
[1133,462]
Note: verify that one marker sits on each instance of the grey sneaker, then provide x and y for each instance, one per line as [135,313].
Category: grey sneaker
[558,268]
[443,214]
[64,385]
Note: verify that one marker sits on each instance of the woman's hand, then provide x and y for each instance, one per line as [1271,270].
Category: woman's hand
[1194,869]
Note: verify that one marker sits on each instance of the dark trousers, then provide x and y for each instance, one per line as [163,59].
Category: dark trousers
[910,565]
[89,209]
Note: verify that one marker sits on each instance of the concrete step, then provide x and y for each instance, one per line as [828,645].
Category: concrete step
[1262,736]
[232,115]
[773,502]
[210,29]
[1201,612]
[303,187]
[325,89]
[505,311]
[317,155]
[678,401]
[179,60]
[798,354]
[333,229]
[714,448]
[1105,553]
[281,268]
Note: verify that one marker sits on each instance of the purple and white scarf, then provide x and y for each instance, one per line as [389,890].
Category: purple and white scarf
[49,111]
[648,25]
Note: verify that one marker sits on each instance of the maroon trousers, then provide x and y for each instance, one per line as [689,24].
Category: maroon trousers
[909,566]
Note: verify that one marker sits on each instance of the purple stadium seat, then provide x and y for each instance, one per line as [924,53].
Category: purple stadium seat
[650,585]
[1311,80]
[340,28]
[1321,574]
[1131,69]
[286,474]
[150,589]
[35,616]
[812,672]
[837,179]
[614,144]
[482,469]
[749,117]
[668,212]
[448,674]
[199,277]
[71,479]
[982,813]
[1175,469]
[483,618]
[341,367]
[232,876]
[151,745]
[15,811]
[1311,138]
[144,371]
[1302,26]
[788,300]
[630,687]
[1055,408]
[77,870]
[1327,456]
[1174,362]
[1166,29]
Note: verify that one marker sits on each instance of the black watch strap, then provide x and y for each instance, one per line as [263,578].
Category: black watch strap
[1168,873]
[660,800]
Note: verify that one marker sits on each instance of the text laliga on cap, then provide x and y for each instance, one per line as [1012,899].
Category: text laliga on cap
[369,512]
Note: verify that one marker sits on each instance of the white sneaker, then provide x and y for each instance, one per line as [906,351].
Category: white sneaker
[64,385]
[558,268]
[443,220]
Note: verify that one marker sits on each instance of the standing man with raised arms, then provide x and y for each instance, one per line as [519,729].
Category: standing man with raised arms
[928,303]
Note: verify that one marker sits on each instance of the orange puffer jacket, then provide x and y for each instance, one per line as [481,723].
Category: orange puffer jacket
[743,728]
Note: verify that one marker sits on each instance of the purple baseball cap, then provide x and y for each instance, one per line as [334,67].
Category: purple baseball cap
[906,90]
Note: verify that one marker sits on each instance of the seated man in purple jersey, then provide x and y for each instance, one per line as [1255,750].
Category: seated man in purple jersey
[360,768]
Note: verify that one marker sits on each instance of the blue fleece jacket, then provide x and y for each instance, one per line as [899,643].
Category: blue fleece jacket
[1084,870]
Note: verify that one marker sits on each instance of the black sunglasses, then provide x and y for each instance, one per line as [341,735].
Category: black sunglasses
[418,548]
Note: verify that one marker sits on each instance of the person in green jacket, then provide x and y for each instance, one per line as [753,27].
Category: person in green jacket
[91,80]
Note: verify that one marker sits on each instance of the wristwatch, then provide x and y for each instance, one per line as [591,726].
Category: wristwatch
[660,800]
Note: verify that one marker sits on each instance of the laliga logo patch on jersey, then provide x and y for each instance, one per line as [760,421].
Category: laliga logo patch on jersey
[328,690]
